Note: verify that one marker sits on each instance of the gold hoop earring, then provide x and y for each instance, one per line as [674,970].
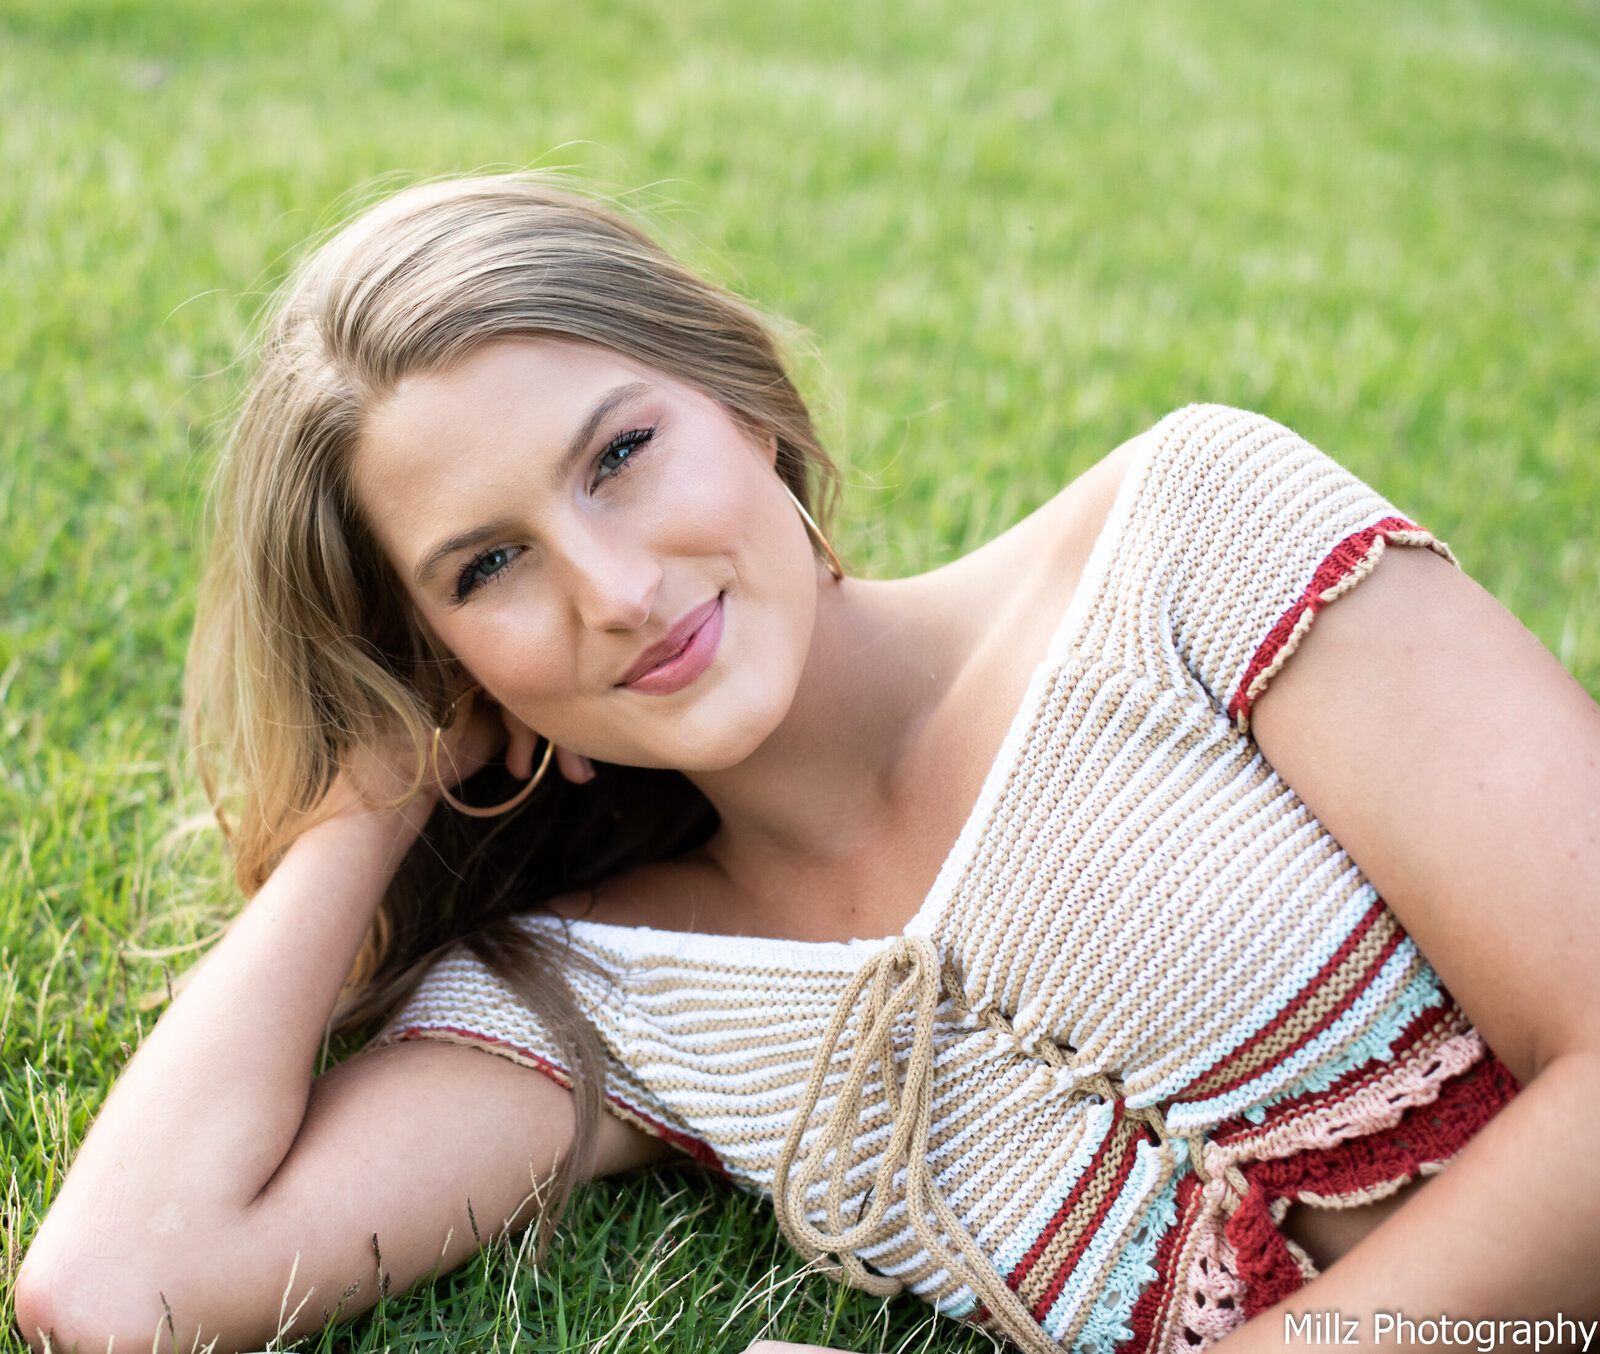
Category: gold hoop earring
[491,810]
[815,533]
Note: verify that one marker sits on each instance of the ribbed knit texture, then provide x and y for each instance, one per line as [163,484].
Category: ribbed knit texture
[1167,1002]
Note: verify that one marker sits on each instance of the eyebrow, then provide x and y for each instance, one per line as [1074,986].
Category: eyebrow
[607,405]
[464,540]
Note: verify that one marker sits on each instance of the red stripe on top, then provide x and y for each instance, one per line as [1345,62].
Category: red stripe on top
[1343,560]
[1041,1309]
[1024,1267]
[1327,1019]
[700,1151]
[1306,993]
[1028,1261]
[1426,1135]
[1147,1312]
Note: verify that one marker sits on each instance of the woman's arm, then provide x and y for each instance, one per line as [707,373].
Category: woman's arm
[219,1168]
[1459,764]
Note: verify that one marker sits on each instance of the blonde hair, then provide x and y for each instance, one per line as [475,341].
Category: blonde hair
[305,646]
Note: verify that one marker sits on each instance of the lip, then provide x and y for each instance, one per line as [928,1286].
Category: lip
[681,655]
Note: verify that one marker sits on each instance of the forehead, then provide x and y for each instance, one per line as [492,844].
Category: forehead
[538,388]
[506,406]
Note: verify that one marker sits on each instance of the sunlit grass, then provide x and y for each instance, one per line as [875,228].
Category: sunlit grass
[1016,236]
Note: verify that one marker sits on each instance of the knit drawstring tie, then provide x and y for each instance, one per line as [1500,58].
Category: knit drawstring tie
[902,980]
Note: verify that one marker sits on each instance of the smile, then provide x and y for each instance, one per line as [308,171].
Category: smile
[682,655]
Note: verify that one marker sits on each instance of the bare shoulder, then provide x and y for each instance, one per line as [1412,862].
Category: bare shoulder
[1041,559]
[1079,511]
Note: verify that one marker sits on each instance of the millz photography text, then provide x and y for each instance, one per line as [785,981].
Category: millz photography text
[1485,1336]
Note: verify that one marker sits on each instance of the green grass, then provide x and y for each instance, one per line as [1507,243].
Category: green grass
[1017,234]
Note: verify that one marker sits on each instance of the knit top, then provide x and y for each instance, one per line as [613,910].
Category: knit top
[1148,1003]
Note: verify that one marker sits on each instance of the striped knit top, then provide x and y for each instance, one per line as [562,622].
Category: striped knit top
[1148,1004]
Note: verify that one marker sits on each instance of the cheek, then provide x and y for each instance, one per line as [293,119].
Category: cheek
[710,511]
[775,575]
[510,647]
[709,481]
[733,504]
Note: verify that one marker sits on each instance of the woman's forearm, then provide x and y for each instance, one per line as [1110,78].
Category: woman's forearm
[211,1103]
[1509,1230]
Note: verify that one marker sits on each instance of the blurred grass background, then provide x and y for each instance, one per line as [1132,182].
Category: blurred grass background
[1016,235]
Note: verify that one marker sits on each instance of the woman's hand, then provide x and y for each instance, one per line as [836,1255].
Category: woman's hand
[384,778]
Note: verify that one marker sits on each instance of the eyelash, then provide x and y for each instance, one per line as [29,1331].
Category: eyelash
[467,580]
[630,442]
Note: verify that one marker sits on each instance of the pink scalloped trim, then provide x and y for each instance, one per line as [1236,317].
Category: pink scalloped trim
[1211,1275]
[1374,1107]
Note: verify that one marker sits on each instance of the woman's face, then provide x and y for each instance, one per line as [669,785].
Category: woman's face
[603,548]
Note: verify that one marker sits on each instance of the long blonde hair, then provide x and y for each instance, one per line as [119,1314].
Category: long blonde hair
[305,646]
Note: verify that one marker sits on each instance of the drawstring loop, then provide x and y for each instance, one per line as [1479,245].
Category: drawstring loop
[903,980]
[916,994]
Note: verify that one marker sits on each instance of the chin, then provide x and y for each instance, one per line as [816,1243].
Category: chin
[727,729]
[721,749]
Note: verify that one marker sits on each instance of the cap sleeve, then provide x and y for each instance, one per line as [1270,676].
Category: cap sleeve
[460,1001]
[1256,531]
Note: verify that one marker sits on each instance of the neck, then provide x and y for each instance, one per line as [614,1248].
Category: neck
[826,781]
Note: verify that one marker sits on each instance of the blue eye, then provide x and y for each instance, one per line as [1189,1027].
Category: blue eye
[484,568]
[619,452]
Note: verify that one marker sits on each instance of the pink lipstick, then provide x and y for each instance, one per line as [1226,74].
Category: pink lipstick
[681,655]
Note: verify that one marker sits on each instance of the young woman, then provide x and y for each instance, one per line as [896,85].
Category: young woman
[1045,933]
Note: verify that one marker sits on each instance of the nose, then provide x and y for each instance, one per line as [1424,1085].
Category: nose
[611,580]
